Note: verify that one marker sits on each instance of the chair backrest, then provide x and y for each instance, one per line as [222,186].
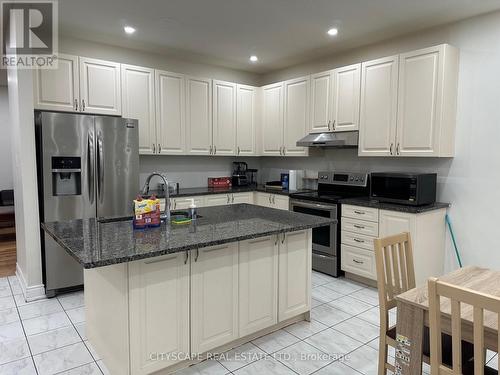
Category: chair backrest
[395,270]
[457,297]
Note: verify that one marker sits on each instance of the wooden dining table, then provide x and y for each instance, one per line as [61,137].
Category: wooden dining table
[413,316]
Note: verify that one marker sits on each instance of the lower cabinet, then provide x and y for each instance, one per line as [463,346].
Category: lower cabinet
[242,198]
[214,297]
[258,284]
[217,200]
[183,203]
[159,311]
[278,201]
[294,286]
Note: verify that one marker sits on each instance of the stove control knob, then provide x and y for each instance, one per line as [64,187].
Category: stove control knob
[357,179]
[352,178]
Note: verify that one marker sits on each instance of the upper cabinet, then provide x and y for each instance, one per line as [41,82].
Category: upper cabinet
[321,102]
[272,119]
[79,84]
[379,91]
[100,87]
[199,116]
[58,89]
[296,116]
[170,113]
[408,104]
[224,118]
[346,98]
[246,120]
[138,102]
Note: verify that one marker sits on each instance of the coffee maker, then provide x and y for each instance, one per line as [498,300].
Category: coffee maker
[240,177]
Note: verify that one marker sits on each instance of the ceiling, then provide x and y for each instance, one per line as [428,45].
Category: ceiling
[280,32]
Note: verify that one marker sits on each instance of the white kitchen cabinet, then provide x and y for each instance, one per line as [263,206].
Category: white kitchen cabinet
[218,199]
[170,113]
[199,116]
[183,203]
[281,202]
[272,120]
[159,311]
[379,89]
[258,284]
[214,297]
[321,102]
[138,102]
[224,118]
[58,89]
[242,198]
[270,200]
[296,116]
[427,102]
[346,98]
[246,120]
[100,87]
[294,288]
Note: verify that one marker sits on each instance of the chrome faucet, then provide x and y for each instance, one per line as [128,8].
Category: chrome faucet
[145,191]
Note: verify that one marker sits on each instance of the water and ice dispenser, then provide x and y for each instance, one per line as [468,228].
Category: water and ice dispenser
[66,175]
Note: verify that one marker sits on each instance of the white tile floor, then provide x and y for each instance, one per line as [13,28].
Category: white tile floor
[48,337]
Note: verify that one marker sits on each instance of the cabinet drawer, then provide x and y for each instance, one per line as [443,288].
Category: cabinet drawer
[358,261]
[357,240]
[363,213]
[368,228]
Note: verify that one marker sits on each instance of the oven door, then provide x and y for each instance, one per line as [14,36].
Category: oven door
[324,239]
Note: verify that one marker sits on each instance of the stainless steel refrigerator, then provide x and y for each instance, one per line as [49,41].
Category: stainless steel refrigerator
[88,166]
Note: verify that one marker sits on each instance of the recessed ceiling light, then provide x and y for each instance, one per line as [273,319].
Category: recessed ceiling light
[333,31]
[129,29]
[254,58]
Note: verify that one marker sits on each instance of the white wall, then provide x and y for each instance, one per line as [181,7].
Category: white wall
[471,180]
[5,149]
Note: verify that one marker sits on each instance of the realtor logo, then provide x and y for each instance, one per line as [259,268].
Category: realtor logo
[29,34]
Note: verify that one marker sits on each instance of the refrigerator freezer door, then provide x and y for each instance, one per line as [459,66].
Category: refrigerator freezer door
[117,165]
[67,156]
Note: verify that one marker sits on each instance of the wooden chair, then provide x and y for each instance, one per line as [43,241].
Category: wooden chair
[456,297]
[395,275]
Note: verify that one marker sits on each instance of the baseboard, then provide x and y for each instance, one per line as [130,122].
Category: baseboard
[30,293]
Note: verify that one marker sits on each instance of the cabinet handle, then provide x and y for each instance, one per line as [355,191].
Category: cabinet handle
[329,121]
[159,148]
[232,198]
[269,198]
[83,105]
[397,149]
[215,150]
[357,261]
[154,148]
[390,149]
[284,151]
[197,254]
[187,257]
[274,199]
[333,125]
[277,239]
[359,226]
[238,150]
[175,204]
[283,238]
[359,212]
[228,199]
[76,104]
[358,240]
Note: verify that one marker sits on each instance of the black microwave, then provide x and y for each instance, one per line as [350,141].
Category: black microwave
[413,189]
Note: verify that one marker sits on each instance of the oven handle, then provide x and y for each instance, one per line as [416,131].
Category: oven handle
[313,205]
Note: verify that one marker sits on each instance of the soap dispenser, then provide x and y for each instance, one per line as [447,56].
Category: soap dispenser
[192,210]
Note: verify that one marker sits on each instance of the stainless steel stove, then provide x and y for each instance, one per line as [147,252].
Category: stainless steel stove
[326,202]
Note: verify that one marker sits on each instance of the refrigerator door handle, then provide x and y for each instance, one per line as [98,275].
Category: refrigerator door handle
[100,168]
[91,166]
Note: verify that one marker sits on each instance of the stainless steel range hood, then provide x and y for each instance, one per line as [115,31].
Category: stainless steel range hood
[330,140]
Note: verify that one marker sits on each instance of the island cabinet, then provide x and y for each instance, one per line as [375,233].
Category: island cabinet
[147,316]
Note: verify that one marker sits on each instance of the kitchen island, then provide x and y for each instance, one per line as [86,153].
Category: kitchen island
[163,298]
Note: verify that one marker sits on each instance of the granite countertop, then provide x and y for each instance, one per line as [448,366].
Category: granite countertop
[187,192]
[97,243]
[367,202]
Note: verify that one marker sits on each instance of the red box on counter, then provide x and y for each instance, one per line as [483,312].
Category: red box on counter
[219,182]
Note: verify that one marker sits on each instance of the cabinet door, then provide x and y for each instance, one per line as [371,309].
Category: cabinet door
[281,202]
[379,88]
[272,119]
[100,87]
[198,115]
[242,198]
[170,111]
[159,311]
[258,284]
[184,202]
[58,89]
[346,98]
[294,290]
[420,85]
[218,199]
[214,297]
[393,222]
[296,116]
[245,120]
[263,199]
[321,102]
[138,103]
[224,118]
